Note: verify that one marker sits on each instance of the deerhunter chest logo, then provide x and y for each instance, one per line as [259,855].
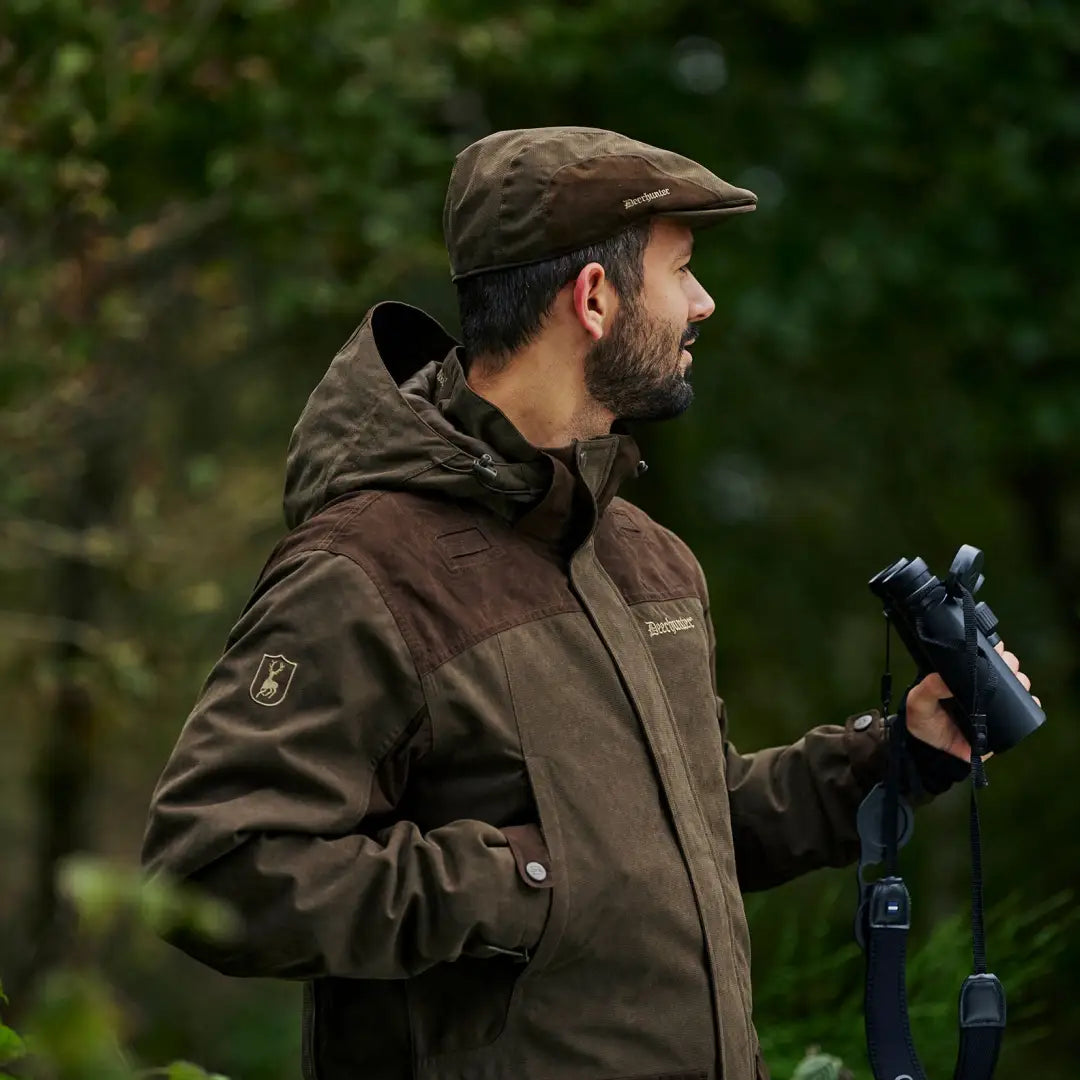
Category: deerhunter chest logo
[669,626]
[273,679]
[647,197]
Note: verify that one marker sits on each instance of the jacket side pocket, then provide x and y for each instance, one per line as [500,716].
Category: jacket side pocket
[449,1047]
[538,769]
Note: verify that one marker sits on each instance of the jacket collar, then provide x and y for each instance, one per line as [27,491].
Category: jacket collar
[586,473]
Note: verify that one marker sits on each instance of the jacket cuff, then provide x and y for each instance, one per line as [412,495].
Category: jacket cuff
[929,771]
[864,741]
[524,911]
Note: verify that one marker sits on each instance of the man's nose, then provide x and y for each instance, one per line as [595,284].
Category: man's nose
[702,304]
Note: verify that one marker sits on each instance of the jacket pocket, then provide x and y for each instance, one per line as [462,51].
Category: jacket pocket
[462,1006]
[467,1006]
[556,880]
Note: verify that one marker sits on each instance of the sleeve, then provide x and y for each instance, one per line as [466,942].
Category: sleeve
[793,808]
[263,801]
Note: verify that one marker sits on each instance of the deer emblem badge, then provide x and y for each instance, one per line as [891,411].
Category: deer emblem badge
[272,680]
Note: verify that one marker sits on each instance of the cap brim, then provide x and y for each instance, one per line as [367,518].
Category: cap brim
[699,219]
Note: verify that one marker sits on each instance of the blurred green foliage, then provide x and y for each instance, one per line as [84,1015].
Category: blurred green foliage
[200,198]
[77,1024]
[818,1066]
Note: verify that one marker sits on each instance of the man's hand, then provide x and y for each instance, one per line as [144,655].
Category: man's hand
[927,720]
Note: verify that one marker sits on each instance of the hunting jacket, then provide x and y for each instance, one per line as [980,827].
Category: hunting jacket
[462,768]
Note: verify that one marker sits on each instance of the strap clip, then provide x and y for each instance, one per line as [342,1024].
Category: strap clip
[890,905]
[982,1002]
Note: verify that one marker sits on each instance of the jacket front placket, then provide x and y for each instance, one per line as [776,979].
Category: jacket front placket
[618,630]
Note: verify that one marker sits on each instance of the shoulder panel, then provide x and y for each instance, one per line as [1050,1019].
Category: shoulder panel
[452,573]
[646,560]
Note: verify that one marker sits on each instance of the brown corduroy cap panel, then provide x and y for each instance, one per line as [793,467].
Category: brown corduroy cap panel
[521,196]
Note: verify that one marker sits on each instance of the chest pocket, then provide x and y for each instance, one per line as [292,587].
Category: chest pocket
[463,547]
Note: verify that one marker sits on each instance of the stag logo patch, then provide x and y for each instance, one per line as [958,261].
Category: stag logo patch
[272,680]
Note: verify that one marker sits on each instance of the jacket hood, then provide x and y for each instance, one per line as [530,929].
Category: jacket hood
[394,411]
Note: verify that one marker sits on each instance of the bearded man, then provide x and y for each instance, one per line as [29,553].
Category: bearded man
[462,767]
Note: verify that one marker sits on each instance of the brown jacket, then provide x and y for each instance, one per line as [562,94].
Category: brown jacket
[462,766]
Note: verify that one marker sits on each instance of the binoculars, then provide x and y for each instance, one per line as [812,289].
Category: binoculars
[929,617]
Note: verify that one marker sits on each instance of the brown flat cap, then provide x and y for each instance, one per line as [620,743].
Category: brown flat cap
[518,197]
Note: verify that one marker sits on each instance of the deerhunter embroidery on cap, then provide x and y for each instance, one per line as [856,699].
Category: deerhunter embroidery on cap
[523,196]
[647,197]
[272,679]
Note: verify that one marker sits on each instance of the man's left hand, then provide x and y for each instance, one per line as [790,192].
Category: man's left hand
[928,720]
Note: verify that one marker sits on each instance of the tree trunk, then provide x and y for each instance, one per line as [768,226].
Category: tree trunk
[65,770]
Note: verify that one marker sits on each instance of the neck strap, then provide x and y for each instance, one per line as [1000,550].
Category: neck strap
[884,917]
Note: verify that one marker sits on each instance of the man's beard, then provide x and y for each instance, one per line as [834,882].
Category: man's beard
[635,371]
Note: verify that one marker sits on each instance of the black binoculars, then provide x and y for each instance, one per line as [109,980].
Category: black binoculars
[929,617]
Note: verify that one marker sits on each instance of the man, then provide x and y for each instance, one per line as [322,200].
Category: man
[462,767]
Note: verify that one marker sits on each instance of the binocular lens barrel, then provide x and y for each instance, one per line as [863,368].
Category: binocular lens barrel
[901,580]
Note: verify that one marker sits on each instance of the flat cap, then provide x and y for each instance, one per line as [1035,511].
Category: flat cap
[522,196]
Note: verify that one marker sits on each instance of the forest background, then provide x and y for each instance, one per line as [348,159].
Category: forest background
[198,202]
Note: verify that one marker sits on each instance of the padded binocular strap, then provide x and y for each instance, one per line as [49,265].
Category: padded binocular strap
[888,1030]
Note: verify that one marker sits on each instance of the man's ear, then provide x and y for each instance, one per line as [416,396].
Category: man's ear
[594,300]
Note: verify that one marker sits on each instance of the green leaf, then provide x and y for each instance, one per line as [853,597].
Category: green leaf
[98,890]
[75,1026]
[72,60]
[819,1067]
[11,1046]
[185,1070]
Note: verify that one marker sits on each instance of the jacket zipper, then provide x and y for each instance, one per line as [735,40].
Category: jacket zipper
[307,1034]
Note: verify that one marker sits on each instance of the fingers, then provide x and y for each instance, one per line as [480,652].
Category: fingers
[1014,666]
[1010,658]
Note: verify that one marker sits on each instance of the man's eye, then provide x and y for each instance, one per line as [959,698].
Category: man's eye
[686,268]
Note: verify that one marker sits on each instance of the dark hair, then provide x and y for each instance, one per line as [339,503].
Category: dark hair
[502,310]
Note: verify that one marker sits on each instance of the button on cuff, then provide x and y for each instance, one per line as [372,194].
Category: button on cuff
[864,741]
[524,909]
